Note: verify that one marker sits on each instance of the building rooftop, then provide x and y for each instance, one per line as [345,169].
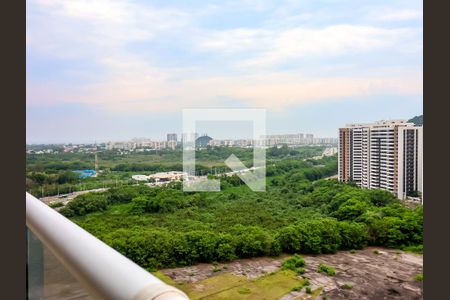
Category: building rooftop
[380,123]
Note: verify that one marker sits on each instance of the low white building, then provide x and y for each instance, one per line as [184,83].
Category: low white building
[161,176]
[140,177]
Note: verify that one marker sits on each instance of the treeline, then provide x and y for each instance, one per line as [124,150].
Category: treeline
[158,248]
[138,167]
[385,223]
[158,160]
[166,227]
[41,178]
[302,152]
[297,170]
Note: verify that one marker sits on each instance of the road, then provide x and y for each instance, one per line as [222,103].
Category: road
[64,198]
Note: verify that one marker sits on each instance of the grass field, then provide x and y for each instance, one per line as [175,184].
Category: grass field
[230,286]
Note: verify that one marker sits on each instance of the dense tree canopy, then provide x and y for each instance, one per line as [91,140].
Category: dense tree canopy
[300,213]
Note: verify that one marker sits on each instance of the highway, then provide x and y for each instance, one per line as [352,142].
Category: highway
[64,198]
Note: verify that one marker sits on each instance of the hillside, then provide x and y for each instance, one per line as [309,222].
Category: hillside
[418,120]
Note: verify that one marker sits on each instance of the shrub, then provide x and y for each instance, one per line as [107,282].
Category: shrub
[56,204]
[314,236]
[139,205]
[244,291]
[300,271]
[293,263]
[297,288]
[353,235]
[253,241]
[351,209]
[326,269]
[308,290]
[306,282]
[415,249]
[419,277]
[347,286]
[84,204]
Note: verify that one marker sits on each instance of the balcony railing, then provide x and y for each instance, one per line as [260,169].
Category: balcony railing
[101,270]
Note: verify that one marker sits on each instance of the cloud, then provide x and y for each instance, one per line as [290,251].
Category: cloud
[396,15]
[271,47]
[82,28]
[242,63]
[136,90]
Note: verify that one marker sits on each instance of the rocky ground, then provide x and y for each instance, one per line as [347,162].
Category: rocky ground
[372,273]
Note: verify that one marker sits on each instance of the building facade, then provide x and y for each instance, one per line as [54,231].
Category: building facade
[172,137]
[386,155]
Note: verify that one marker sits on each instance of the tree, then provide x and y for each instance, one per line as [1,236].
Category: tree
[351,209]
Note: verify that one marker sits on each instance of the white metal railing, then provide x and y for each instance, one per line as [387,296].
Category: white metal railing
[103,271]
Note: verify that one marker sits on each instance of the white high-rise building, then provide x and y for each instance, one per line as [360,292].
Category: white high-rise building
[385,154]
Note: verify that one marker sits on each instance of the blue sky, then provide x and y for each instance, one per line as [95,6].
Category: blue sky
[112,70]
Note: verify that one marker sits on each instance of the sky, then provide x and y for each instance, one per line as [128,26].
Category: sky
[114,70]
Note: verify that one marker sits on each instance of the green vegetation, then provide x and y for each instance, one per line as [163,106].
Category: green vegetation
[293,263]
[244,291]
[56,204]
[419,277]
[417,120]
[165,227]
[230,286]
[51,174]
[300,212]
[326,269]
[297,288]
[305,281]
[414,249]
[347,286]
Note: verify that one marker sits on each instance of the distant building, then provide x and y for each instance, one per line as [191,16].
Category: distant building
[172,144]
[140,177]
[293,139]
[203,141]
[172,137]
[189,137]
[385,154]
[325,141]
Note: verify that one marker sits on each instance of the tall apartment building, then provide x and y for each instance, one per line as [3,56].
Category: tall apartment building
[385,154]
[172,137]
[288,139]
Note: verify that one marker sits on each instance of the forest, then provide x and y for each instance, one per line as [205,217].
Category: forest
[52,174]
[301,212]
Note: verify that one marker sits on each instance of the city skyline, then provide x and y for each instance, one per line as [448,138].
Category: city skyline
[164,138]
[243,134]
[115,70]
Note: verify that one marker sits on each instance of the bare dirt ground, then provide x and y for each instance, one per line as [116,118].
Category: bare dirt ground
[372,273]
